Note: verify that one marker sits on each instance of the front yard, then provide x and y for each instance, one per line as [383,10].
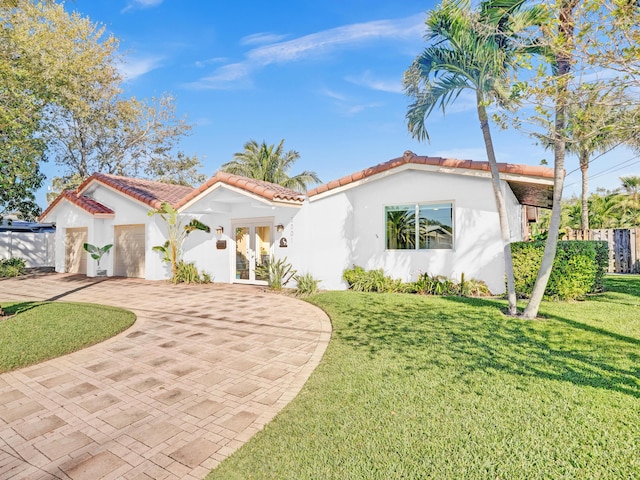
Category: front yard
[415,387]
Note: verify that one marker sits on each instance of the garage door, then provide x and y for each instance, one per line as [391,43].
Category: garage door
[129,250]
[75,254]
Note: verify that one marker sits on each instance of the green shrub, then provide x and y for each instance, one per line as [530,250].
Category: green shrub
[277,272]
[578,268]
[188,273]
[12,267]
[473,288]
[361,280]
[602,261]
[307,285]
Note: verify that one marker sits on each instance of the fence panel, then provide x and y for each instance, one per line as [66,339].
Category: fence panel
[37,249]
[624,247]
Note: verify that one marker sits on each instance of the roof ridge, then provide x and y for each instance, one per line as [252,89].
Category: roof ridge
[411,158]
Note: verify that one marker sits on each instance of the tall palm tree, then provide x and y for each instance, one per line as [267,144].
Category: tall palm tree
[271,164]
[476,51]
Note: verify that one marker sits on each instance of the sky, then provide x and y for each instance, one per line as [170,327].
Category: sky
[324,76]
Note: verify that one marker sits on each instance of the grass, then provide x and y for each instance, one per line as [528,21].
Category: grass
[415,387]
[42,330]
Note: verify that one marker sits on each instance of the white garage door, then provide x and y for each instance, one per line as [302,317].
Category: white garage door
[129,250]
[75,254]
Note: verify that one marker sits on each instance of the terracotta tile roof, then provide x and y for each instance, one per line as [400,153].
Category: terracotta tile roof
[270,191]
[147,191]
[87,204]
[539,195]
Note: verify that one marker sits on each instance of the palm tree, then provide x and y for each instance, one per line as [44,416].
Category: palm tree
[472,50]
[271,164]
[631,185]
[591,123]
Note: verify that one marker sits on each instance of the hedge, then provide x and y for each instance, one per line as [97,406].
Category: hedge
[578,268]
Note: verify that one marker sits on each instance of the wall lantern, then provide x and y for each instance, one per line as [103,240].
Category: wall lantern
[280,228]
[219,230]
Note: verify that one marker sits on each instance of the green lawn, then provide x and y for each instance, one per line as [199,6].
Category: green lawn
[43,330]
[416,387]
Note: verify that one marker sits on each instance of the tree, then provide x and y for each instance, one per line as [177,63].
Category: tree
[477,51]
[177,233]
[126,137]
[60,93]
[271,164]
[582,37]
[594,111]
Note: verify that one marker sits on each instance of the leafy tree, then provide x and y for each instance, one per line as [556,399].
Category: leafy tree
[60,93]
[177,234]
[271,164]
[127,137]
[594,114]
[580,38]
[476,51]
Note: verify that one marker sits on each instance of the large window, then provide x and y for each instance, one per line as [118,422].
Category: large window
[434,224]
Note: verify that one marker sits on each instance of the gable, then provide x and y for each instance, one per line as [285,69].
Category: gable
[531,185]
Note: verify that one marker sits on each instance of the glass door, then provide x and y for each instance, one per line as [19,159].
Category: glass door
[253,248]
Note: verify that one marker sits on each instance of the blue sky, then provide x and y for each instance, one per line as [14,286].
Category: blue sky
[325,76]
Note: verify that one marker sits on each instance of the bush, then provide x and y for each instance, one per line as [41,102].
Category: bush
[278,272]
[307,285]
[188,273]
[12,267]
[361,280]
[578,268]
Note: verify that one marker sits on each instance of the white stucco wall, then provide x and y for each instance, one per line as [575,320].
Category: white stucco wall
[228,209]
[66,216]
[348,228]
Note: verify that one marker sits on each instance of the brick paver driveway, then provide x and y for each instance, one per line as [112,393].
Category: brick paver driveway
[202,370]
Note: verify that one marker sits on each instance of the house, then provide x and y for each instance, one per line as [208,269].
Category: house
[409,215]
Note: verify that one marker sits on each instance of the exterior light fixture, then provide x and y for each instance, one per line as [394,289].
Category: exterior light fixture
[280,228]
[219,230]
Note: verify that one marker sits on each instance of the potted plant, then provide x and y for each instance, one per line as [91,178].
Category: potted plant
[96,254]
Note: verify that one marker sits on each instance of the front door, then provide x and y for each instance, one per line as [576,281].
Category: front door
[253,247]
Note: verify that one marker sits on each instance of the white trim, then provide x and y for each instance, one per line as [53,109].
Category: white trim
[241,191]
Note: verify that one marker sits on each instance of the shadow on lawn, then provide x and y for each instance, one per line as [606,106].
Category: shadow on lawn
[470,334]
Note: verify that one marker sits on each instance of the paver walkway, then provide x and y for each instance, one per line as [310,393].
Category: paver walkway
[200,372]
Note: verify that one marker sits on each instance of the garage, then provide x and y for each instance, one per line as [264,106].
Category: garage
[129,251]
[75,260]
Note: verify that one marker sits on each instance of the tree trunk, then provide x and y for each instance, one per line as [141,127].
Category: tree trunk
[563,59]
[505,231]
[584,167]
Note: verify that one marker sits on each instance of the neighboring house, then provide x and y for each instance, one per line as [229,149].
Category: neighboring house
[410,215]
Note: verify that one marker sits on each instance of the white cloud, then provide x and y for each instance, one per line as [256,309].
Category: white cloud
[136,67]
[209,61]
[227,77]
[314,44]
[346,105]
[366,79]
[133,4]
[261,39]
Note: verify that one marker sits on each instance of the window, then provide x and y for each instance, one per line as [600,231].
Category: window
[434,226]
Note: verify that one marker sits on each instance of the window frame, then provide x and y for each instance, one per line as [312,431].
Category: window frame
[416,206]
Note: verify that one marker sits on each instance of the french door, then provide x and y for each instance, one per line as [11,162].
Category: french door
[253,248]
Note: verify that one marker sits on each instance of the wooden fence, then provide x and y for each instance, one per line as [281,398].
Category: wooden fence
[624,246]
